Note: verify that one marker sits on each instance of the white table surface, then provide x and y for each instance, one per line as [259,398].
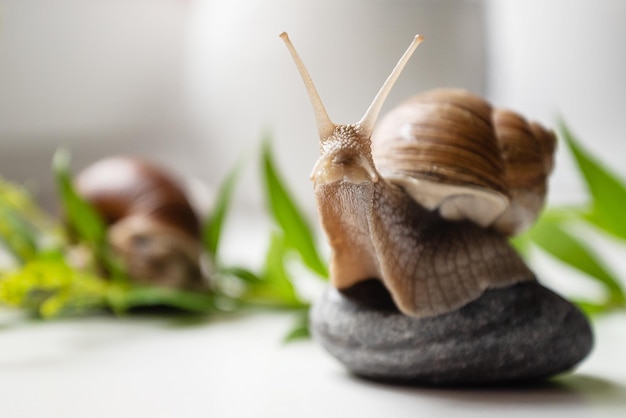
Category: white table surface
[238,367]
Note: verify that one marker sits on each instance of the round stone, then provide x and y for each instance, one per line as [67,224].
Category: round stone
[519,333]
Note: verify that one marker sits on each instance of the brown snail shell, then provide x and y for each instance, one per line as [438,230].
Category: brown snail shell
[527,150]
[451,151]
[441,148]
[152,225]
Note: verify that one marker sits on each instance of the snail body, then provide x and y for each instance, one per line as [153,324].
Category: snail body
[424,201]
[152,226]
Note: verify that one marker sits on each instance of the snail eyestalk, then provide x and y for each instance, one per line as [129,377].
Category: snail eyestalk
[368,120]
[325,126]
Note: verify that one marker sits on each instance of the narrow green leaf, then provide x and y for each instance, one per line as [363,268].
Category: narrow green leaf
[83,219]
[18,236]
[275,288]
[593,308]
[24,228]
[552,237]
[16,197]
[608,192]
[276,275]
[80,215]
[214,225]
[301,330]
[242,273]
[522,244]
[290,219]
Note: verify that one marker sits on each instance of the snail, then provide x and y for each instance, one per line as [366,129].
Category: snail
[425,200]
[152,226]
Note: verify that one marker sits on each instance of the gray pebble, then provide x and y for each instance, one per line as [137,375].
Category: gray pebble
[519,333]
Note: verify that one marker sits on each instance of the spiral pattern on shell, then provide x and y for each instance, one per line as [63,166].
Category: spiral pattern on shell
[450,148]
[527,150]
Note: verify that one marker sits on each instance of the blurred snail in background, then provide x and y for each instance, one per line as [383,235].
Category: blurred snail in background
[152,225]
[425,200]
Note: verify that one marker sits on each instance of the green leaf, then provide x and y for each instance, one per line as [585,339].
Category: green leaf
[123,298]
[297,232]
[19,199]
[242,273]
[275,288]
[52,288]
[522,244]
[593,308]
[83,219]
[25,229]
[80,215]
[301,330]
[276,274]
[18,236]
[214,225]
[608,192]
[551,236]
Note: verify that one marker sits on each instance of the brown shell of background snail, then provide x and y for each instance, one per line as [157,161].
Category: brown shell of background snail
[425,200]
[152,225]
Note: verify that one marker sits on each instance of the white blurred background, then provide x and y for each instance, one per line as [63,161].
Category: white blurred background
[196,84]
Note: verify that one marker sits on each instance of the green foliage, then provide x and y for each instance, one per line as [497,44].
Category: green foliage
[16,235]
[272,287]
[607,190]
[48,286]
[81,217]
[553,237]
[78,276]
[300,330]
[288,217]
[123,298]
[24,228]
[76,273]
[214,224]
[275,286]
[83,220]
[555,230]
